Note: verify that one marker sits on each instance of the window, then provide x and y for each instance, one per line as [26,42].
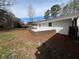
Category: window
[50,24]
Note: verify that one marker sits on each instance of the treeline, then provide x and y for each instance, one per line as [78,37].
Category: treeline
[57,10]
[8,20]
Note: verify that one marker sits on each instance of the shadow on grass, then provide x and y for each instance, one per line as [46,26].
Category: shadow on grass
[58,47]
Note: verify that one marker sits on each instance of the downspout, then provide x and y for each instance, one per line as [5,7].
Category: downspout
[72,22]
[75,28]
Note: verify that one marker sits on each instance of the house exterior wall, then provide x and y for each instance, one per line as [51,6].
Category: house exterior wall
[78,26]
[61,27]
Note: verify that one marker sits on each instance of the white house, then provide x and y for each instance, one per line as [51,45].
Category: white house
[60,24]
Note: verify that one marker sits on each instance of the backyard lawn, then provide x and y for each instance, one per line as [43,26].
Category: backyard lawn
[7,47]
[24,44]
[17,44]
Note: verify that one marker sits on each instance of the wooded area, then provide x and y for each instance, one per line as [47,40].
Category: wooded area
[62,10]
[7,19]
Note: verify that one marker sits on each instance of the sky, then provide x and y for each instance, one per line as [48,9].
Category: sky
[20,9]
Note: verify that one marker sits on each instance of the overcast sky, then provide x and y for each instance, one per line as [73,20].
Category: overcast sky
[20,9]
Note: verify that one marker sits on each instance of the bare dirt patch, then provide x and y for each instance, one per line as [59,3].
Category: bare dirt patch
[45,45]
[24,46]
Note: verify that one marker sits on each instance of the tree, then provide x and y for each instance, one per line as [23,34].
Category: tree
[47,14]
[71,8]
[66,10]
[3,18]
[31,12]
[4,4]
[76,6]
[8,20]
[54,10]
[18,23]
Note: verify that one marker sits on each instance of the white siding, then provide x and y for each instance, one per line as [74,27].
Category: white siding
[78,25]
[61,27]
